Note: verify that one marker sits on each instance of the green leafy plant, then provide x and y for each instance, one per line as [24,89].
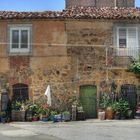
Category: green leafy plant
[116,107]
[135,67]
[53,112]
[3,114]
[106,101]
[122,108]
[33,108]
[44,111]
[66,116]
[66,113]
[16,105]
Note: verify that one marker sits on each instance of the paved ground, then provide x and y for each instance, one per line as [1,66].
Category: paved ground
[8,132]
[82,130]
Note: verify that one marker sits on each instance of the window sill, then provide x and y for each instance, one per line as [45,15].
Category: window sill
[20,54]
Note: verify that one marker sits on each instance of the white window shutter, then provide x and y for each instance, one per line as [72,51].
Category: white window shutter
[132,40]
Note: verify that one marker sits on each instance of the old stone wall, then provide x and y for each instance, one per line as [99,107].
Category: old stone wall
[48,63]
[80,3]
[90,62]
[101,3]
[105,3]
[126,3]
[117,3]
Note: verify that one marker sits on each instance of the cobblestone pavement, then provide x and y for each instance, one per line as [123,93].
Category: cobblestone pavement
[84,130]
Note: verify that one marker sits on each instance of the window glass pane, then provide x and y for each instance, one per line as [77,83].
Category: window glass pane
[122,38]
[24,38]
[15,39]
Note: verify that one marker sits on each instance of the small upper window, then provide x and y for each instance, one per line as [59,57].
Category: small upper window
[20,39]
[127,41]
[127,37]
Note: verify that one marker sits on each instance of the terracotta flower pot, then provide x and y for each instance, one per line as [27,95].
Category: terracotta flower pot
[35,118]
[109,113]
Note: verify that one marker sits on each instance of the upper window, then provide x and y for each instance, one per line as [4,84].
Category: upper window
[20,39]
[127,41]
[127,37]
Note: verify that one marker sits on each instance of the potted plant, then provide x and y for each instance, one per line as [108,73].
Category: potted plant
[79,108]
[121,109]
[3,116]
[16,105]
[18,111]
[109,113]
[29,110]
[44,114]
[35,117]
[106,102]
[34,109]
[55,116]
[80,114]
[116,110]
[129,114]
[124,108]
[29,116]
[116,115]
[66,116]
[44,117]
[101,113]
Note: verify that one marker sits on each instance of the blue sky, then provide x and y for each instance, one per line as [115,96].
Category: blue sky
[36,5]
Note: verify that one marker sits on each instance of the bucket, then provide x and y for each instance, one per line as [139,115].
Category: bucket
[101,115]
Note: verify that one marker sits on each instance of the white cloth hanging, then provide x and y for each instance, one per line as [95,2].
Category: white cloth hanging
[48,94]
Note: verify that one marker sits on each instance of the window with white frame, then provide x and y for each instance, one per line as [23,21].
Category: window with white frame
[127,37]
[20,39]
[127,41]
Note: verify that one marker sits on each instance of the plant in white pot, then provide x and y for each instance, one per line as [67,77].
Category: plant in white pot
[66,116]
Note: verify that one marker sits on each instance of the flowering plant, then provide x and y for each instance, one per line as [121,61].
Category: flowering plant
[44,110]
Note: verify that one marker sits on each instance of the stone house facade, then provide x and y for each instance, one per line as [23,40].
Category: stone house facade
[68,50]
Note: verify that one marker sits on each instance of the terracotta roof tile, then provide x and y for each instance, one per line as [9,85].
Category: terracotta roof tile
[102,13]
[76,13]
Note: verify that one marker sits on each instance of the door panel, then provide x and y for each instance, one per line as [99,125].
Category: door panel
[129,93]
[88,100]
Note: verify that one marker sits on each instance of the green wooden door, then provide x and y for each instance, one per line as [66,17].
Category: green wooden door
[88,100]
